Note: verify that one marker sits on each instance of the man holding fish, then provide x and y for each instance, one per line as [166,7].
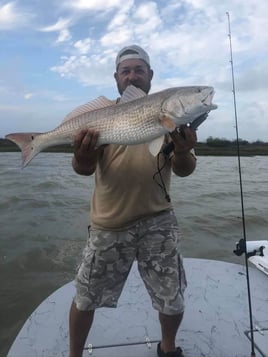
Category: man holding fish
[132,217]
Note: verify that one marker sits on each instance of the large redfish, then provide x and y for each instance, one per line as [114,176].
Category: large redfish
[138,118]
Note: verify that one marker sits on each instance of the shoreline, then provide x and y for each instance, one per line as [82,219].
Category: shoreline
[201,149]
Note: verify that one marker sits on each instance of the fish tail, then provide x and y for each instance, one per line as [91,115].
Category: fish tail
[27,144]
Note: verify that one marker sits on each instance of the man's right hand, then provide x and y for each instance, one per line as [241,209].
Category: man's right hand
[86,152]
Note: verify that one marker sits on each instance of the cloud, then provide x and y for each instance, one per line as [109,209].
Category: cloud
[28,96]
[83,46]
[146,18]
[61,26]
[88,70]
[117,37]
[146,25]
[186,43]
[64,36]
[96,5]
[94,64]
[12,17]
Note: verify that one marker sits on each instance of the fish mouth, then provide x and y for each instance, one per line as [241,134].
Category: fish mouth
[213,106]
[207,100]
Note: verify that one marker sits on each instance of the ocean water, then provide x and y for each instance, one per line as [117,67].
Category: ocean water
[44,213]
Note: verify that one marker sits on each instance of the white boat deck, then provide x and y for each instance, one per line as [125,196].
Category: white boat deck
[215,322]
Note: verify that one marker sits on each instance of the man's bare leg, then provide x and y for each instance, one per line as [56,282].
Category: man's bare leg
[169,327]
[79,326]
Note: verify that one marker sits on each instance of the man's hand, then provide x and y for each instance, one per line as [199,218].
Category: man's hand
[184,140]
[183,161]
[86,152]
[85,144]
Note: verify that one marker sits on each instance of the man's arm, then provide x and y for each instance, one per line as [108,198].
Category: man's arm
[183,160]
[86,152]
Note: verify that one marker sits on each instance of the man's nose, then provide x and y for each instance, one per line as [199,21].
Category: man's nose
[132,76]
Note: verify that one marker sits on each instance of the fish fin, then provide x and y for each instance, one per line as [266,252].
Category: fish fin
[132,93]
[167,123]
[95,104]
[25,142]
[156,145]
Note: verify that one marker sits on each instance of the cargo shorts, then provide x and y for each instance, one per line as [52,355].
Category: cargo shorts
[108,256]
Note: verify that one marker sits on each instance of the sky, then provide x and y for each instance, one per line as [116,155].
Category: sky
[56,55]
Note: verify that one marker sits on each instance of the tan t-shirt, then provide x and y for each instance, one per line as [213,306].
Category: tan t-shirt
[125,190]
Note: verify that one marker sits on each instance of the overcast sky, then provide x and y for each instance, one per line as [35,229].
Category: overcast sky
[56,55]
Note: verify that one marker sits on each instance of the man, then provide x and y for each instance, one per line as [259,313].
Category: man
[131,218]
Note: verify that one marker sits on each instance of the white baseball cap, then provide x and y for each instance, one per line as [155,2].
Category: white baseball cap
[132,52]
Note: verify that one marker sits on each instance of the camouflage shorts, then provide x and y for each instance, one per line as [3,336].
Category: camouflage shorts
[155,244]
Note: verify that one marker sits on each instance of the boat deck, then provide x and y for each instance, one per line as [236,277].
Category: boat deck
[215,322]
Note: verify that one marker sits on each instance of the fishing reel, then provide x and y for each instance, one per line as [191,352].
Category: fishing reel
[250,248]
[194,125]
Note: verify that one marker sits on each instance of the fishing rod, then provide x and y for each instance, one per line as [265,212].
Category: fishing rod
[244,240]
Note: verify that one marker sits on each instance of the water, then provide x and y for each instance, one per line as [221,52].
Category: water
[44,211]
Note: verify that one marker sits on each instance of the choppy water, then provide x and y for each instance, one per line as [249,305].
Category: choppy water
[44,216]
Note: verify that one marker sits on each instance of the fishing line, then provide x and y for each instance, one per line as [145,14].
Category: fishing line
[241,189]
[159,172]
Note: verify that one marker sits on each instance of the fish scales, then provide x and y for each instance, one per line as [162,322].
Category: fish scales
[128,123]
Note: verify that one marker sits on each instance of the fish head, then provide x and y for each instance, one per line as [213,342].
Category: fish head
[185,104]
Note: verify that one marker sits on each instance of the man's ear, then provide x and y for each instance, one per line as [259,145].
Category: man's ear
[116,76]
[151,74]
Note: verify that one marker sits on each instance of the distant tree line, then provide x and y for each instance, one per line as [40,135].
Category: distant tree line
[222,142]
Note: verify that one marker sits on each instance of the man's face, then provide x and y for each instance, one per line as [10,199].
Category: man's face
[135,72]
